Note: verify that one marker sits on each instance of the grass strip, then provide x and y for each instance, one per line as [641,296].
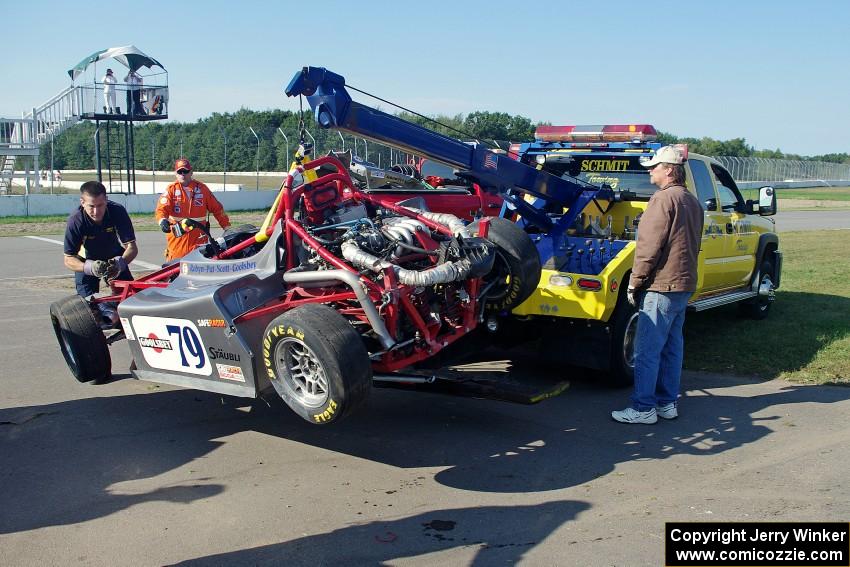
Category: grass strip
[806,337]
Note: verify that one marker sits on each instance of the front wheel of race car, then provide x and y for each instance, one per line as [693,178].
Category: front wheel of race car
[317,363]
[80,339]
[516,271]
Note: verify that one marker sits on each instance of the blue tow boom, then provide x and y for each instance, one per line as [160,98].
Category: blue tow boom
[333,108]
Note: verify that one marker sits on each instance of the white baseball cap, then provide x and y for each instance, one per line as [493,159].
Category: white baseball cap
[666,154]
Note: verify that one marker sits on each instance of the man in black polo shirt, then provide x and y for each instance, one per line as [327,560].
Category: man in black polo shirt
[99,240]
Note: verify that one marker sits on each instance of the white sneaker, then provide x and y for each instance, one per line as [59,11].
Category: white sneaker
[631,415]
[668,411]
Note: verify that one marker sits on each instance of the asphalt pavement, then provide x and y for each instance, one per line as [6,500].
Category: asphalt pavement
[812,220]
[133,473]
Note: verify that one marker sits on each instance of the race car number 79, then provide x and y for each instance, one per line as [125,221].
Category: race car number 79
[192,344]
[172,344]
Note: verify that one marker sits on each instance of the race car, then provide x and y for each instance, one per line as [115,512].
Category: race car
[342,286]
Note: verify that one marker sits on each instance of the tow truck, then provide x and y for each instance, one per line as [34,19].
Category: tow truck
[581,292]
[583,219]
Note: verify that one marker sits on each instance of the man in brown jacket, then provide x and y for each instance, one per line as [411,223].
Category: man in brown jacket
[664,277]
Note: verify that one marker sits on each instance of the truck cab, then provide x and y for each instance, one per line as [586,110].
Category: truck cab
[581,290]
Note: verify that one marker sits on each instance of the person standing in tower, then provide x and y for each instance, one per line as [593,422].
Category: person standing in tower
[134,93]
[109,82]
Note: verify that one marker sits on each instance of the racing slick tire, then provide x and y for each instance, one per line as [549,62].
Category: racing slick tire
[317,363]
[80,339]
[516,271]
[759,308]
[621,371]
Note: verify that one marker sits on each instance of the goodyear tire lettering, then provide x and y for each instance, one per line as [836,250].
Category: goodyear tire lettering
[326,415]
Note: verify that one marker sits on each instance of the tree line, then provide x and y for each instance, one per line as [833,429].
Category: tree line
[208,142]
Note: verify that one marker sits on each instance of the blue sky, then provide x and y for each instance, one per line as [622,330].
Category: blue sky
[774,73]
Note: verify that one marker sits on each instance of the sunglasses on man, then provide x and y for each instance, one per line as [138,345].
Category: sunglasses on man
[183,172]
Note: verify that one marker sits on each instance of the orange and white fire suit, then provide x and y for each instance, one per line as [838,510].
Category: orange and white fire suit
[193,202]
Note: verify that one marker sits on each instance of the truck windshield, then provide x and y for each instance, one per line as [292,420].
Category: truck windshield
[621,173]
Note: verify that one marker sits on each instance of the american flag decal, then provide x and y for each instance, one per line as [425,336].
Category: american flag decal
[490,161]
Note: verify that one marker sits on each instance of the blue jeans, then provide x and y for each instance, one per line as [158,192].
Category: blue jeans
[659,347]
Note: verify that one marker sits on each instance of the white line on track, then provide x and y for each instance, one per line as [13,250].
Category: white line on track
[144,265]
[50,240]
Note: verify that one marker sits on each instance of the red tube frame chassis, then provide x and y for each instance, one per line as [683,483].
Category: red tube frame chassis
[394,295]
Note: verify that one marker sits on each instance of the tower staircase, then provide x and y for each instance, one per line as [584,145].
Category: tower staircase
[22,137]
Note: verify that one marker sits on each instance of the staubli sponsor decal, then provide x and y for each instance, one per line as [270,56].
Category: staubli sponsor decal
[219,354]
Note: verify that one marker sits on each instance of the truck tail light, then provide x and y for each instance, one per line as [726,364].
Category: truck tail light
[589,284]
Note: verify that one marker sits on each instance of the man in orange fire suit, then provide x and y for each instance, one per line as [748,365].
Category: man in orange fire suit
[186,198]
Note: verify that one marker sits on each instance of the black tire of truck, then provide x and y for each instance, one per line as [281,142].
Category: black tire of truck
[759,307]
[516,271]
[317,363]
[621,372]
[80,339]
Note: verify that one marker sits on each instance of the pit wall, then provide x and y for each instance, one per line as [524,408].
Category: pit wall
[244,200]
[44,205]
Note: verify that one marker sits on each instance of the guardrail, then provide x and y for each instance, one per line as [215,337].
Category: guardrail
[766,170]
[153,99]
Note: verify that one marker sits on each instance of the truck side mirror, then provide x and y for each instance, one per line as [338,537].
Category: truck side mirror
[767,201]
[711,204]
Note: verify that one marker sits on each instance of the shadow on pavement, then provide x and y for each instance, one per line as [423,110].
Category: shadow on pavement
[501,534]
[62,461]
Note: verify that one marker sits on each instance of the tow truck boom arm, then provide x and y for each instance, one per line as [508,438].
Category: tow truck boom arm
[333,108]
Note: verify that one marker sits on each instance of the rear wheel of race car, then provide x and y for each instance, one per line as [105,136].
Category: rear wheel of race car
[317,363]
[623,333]
[81,340]
[516,272]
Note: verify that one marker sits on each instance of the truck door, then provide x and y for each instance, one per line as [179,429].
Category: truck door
[712,250]
[741,241]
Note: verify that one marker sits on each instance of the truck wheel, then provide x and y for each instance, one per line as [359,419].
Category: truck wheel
[623,333]
[759,307]
[317,363]
[516,271]
[80,339]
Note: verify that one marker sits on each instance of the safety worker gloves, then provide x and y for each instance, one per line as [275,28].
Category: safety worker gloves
[105,269]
